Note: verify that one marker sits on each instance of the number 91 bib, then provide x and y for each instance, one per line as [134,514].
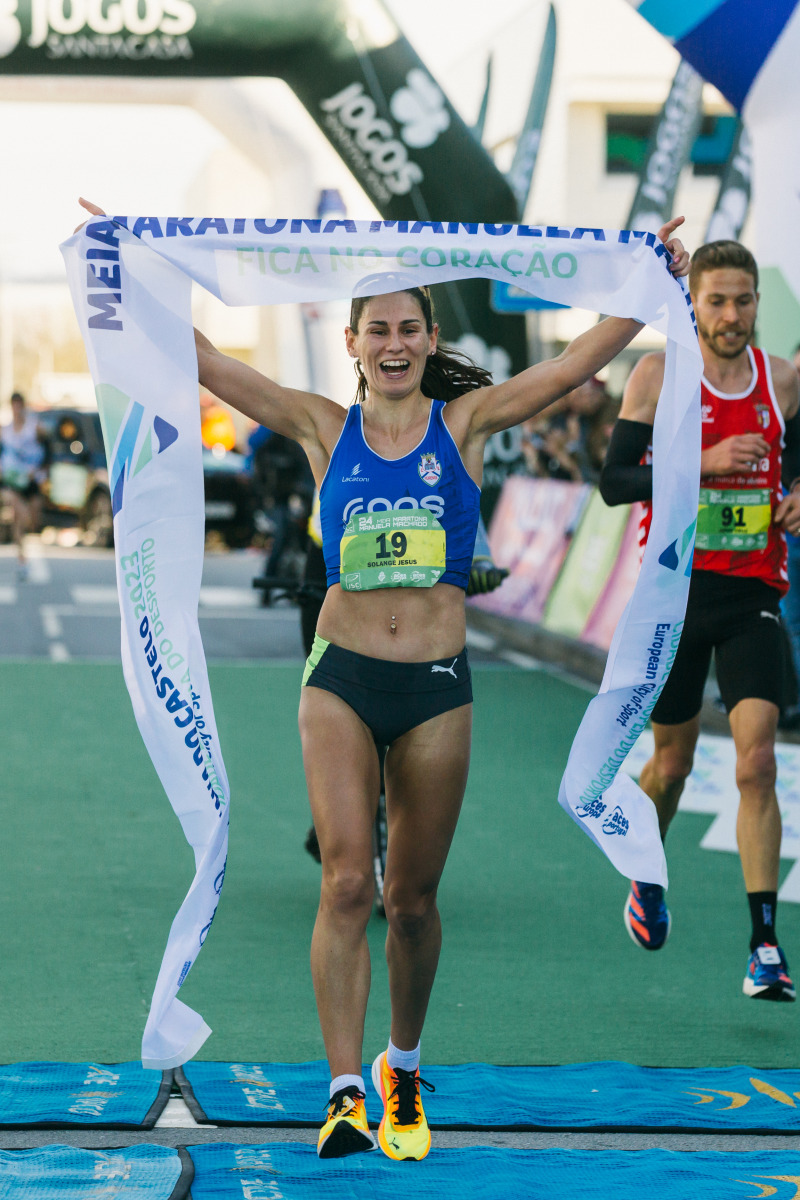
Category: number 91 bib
[733,520]
[404,547]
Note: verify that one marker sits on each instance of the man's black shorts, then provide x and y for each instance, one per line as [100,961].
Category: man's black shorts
[739,619]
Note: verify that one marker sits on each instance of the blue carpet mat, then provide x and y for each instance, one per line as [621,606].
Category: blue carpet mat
[293,1172]
[82,1095]
[60,1172]
[603,1096]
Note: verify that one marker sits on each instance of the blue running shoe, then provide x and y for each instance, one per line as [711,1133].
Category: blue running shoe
[646,915]
[767,975]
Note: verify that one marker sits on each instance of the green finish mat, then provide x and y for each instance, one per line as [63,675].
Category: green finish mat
[536,965]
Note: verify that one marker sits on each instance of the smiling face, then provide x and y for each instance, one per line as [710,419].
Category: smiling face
[725,305]
[392,343]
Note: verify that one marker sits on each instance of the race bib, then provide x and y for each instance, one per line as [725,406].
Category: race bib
[404,547]
[733,520]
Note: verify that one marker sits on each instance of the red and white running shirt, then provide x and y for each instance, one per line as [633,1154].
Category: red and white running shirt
[735,531]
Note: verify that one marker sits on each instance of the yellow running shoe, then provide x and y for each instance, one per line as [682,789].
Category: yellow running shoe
[346,1130]
[403,1131]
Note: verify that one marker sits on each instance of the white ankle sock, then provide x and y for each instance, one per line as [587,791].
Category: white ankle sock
[343,1081]
[407,1060]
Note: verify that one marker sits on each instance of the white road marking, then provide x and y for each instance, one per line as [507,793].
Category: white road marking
[210,597]
[83,594]
[229,597]
[8,594]
[51,621]
[38,566]
[521,660]
[480,641]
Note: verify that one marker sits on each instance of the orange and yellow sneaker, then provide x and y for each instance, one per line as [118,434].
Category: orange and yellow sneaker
[346,1130]
[403,1131]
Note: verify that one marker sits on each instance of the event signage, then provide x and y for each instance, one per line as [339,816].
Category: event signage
[733,198]
[131,280]
[668,150]
[750,52]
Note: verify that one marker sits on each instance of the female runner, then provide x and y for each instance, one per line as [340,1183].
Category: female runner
[399,475]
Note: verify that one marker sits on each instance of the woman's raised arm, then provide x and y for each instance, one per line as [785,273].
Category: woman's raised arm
[526,394]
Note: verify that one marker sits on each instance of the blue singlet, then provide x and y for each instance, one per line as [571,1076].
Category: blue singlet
[431,479]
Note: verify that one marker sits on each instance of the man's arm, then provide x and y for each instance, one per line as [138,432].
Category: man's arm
[624,478]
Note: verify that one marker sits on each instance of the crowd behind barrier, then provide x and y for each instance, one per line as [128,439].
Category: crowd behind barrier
[573,561]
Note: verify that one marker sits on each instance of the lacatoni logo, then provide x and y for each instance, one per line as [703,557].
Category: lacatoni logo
[354,476]
[420,108]
[133,29]
[430,469]
[434,504]
[369,142]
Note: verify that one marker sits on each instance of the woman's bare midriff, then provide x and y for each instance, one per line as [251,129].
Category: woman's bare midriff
[430,622]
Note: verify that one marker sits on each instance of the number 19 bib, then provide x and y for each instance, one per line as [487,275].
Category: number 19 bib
[733,520]
[404,547]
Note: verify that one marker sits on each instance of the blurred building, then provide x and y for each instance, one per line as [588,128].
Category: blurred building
[612,74]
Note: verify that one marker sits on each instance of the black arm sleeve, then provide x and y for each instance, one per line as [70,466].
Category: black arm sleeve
[623,479]
[790,462]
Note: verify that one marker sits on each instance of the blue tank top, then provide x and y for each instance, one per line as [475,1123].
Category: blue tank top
[427,491]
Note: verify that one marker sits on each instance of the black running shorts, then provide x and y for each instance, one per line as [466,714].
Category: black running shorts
[389,697]
[739,620]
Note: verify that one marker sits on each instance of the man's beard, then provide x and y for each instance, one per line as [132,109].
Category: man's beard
[717,343]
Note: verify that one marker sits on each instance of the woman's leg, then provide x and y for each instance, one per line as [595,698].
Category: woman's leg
[343,777]
[426,775]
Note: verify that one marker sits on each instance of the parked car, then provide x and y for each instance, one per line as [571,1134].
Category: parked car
[77,490]
[77,484]
[230,499]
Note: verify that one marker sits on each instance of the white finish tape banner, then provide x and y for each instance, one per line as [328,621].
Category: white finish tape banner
[131,283]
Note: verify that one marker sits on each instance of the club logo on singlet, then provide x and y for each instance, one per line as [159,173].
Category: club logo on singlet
[430,469]
[763,415]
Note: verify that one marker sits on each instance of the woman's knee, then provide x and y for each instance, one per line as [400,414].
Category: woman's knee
[347,889]
[409,912]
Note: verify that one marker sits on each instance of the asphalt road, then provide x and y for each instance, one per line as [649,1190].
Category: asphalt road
[67,608]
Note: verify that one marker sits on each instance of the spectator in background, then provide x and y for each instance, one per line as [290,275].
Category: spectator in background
[22,464]
[546,448]
[590,415]
[285,487]
[570,443]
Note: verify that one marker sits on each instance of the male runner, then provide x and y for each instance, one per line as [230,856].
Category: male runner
[738,577]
